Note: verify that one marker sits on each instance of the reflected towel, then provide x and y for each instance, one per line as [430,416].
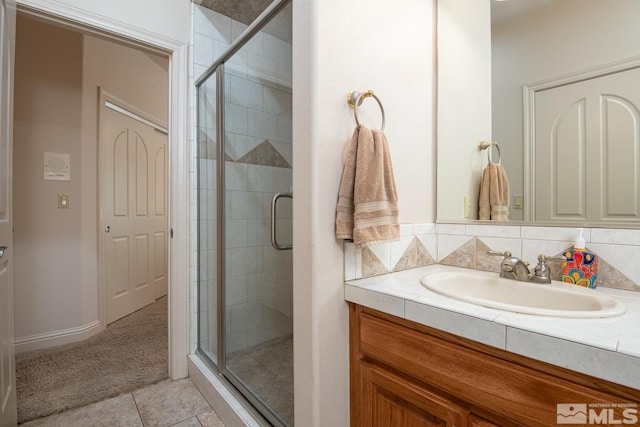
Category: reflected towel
[494,194]
[367,209]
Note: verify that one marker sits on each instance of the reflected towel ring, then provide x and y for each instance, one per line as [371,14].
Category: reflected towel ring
[355,99]
[483,145]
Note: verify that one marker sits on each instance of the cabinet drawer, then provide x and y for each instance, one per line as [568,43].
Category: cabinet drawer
[520,394]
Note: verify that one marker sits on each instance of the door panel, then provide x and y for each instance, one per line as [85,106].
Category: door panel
[8,415]
[161,179]
[561,185]
[142,261]
[133,178]
[620,165]
[142,175]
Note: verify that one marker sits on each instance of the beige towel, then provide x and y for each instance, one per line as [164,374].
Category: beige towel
[367,209]
[494,194]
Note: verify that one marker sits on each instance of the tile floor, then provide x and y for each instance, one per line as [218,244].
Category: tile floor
[168,403]
[268,370]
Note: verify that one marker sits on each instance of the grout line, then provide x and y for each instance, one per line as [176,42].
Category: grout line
[137,408]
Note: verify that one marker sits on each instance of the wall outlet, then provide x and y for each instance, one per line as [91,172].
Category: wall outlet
[517,201]
[467,207]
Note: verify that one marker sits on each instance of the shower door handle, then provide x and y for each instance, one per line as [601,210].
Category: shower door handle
[274,204]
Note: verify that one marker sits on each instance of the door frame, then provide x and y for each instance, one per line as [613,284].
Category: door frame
[178,153]
[529,110]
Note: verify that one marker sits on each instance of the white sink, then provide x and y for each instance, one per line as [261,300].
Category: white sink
[556,299]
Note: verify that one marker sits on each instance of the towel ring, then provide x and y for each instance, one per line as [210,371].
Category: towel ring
[483,145]
[355,99]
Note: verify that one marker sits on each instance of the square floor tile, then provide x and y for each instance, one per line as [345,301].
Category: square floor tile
[169,402]
[118,411]
[210,419]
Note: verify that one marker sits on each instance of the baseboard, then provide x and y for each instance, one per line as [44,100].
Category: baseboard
[229,408]
[52,339]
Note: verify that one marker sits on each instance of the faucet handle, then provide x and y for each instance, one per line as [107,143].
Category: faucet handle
[542,269]
[505,254]
[542,258]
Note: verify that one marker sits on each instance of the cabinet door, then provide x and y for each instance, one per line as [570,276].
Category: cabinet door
[388,400]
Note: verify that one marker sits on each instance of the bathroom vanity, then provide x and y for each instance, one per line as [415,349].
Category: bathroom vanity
[421,359]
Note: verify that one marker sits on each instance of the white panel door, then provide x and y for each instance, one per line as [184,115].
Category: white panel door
[134,213]
[587,150]
[8,415]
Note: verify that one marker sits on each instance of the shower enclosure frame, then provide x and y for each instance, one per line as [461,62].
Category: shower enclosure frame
[218,67]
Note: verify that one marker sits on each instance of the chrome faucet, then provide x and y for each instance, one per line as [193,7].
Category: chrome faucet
[514,268]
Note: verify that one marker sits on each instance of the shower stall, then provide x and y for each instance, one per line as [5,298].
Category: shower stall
[245,270]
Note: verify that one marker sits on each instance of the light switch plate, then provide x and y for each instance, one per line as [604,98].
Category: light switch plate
[517,201]
[63,201]
[467,207]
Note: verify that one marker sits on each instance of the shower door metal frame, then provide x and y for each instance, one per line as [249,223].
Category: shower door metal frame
[218,67]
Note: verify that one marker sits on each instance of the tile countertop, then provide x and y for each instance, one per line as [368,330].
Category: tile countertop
[606,348]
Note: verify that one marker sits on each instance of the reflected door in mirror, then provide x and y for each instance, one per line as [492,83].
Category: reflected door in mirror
[587,156]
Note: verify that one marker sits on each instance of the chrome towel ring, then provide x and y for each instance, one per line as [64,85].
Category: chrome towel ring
[355,99]
[483,145]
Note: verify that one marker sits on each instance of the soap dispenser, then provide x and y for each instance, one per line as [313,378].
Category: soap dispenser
[581,266]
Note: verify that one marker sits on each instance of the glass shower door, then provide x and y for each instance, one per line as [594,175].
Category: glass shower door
[245,284]
[258,277]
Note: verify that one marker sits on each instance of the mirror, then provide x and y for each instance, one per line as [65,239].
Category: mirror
[489,52]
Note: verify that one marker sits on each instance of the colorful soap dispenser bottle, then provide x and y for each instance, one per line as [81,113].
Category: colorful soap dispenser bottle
[581,266]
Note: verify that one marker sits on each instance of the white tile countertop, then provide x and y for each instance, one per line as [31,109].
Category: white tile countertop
[606,348]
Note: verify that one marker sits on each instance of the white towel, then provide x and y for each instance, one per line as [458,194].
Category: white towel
[493,202]
[367,209]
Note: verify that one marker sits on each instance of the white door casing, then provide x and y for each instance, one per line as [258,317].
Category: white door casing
[587,144]
[178,158]
[8,414]
[133,183]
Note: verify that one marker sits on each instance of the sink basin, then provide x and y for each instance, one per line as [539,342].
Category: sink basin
[556,299]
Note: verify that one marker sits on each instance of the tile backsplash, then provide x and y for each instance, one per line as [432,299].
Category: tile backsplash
[466,245]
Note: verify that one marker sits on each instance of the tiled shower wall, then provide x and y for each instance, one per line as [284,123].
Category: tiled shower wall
[467,245]
[258,164]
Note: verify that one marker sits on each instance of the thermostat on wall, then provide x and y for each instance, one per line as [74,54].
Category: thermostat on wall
[57,167]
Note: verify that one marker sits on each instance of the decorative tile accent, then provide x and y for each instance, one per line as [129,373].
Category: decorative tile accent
[416,255]
[610,277]
[484,261]
[464,256]
[398,248]
[473,254]
[449,243]
[265,154]
[207,146]
[371,265]
[408,252]
[616,249]
[383,253]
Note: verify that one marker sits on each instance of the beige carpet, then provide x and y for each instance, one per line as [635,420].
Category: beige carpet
[132,352]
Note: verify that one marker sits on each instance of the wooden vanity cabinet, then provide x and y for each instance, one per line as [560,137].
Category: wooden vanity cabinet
[408,375]
[390,400]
